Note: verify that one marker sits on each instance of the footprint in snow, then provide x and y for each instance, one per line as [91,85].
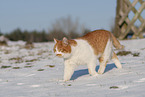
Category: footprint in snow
[30,75]
[140,80]
[35,86]
[91,84]
[20,84]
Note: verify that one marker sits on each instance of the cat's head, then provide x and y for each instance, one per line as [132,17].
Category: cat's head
[63,48]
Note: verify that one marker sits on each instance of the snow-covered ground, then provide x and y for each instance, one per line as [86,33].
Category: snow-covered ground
[38,72]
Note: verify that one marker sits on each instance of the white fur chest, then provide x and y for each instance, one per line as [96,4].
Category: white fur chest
[81,54]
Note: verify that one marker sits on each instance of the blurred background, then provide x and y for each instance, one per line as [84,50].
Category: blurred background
[42,20]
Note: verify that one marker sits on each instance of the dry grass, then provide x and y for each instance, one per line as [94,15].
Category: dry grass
[124,53]
[3,43]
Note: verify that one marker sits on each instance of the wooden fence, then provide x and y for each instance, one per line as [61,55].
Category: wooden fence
[123,24]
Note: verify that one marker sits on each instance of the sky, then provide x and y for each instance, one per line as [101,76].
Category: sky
[40,14]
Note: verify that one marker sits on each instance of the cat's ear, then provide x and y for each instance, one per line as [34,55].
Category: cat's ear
[65,41]
[55,40]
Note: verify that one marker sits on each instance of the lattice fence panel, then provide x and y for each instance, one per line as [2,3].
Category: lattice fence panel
[123,24]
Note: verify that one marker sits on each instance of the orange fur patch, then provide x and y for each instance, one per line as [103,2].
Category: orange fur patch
[97,39]
[63,47]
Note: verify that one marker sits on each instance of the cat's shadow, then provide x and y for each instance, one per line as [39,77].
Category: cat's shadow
[82,72]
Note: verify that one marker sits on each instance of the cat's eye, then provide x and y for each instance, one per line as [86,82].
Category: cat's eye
[61,50]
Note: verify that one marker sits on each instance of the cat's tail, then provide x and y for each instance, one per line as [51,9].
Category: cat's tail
[116,43]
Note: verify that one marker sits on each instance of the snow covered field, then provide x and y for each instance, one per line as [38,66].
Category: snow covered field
[38,72]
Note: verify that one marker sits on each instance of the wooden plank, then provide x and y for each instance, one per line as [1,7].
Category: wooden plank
[141,1]
[131,24]
[125,23]
[121,13]
[140,17]
[135,17]
[116,31]
[123,29]
[128,10]
[134,29]
[141,27]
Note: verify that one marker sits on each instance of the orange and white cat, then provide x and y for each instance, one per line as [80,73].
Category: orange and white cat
[86,50]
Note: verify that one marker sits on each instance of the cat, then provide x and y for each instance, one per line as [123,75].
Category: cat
[87,49]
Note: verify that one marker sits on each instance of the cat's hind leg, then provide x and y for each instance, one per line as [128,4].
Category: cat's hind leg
[105,57]
[103,63]
[116,61]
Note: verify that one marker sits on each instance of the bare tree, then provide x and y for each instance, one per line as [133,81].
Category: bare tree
[71,28]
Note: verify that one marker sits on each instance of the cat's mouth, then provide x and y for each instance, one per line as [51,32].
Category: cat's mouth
[59,55]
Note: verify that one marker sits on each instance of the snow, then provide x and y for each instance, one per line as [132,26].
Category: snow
[38,72]
[3,38]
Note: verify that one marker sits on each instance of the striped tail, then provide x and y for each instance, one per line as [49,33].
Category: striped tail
[116,43]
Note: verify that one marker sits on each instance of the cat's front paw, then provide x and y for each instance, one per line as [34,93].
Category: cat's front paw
[62,80]
[95,74]
[66,79]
